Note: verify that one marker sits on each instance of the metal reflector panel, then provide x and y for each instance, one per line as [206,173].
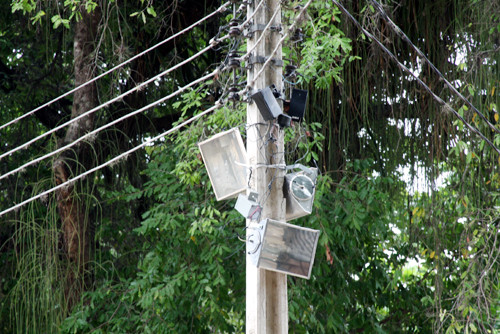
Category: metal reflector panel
[225,156]
[285,248]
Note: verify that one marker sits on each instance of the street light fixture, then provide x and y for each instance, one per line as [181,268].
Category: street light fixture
[283,247]
[299,189]
[225,158]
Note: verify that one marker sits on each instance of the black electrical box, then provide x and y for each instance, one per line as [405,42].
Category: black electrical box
[298,104]
[267,104]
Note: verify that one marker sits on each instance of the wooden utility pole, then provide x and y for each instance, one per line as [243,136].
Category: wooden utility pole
[266,291]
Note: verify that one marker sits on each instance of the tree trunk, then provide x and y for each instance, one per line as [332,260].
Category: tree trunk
[76,236]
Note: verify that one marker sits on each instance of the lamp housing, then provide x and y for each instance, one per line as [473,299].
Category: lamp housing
[299,189]
[225,158]
[283,247]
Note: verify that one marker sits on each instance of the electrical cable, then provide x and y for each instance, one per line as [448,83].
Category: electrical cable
[404,68]
[219,10]
[116,159]
[93,133]
[422,55]
[138,87]
[247,55]
[217,105]
[250,17]
[285,35]
[112,161]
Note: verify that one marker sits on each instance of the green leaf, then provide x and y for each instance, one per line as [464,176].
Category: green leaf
[151,11]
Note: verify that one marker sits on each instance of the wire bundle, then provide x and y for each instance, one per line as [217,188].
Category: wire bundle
[215,42]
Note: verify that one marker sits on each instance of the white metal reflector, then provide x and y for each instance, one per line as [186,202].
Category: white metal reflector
[283,247]
[224,156]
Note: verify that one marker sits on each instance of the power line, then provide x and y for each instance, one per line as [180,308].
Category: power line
[123,155]
[267,27]
[434,68]
[217,105]
[222,8]
[93,133]
[219,10]
[138,87]
[270,58]
[437,98]
[250,17]
[112,161]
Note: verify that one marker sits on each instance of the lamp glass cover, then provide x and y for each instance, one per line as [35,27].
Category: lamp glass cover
[224,156]
[287,248]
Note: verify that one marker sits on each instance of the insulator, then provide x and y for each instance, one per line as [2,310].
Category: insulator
[234,28]
[233,94]
[233,62]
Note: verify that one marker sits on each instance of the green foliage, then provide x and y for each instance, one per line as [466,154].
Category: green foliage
[356,281]
[303,142]
[325,51]
[187,278]
[72,6]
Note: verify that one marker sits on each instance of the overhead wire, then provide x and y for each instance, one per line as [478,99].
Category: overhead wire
[434,68]
[116,159]
[90,134]
[111,161]
[280,42]
[250,17]
[245,23]
[404,68]
[93,133]
[217,105]
[267,27]
[221,9]
[138,87]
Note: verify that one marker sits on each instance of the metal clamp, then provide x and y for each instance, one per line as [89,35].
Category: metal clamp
[261,60]
[249,32]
